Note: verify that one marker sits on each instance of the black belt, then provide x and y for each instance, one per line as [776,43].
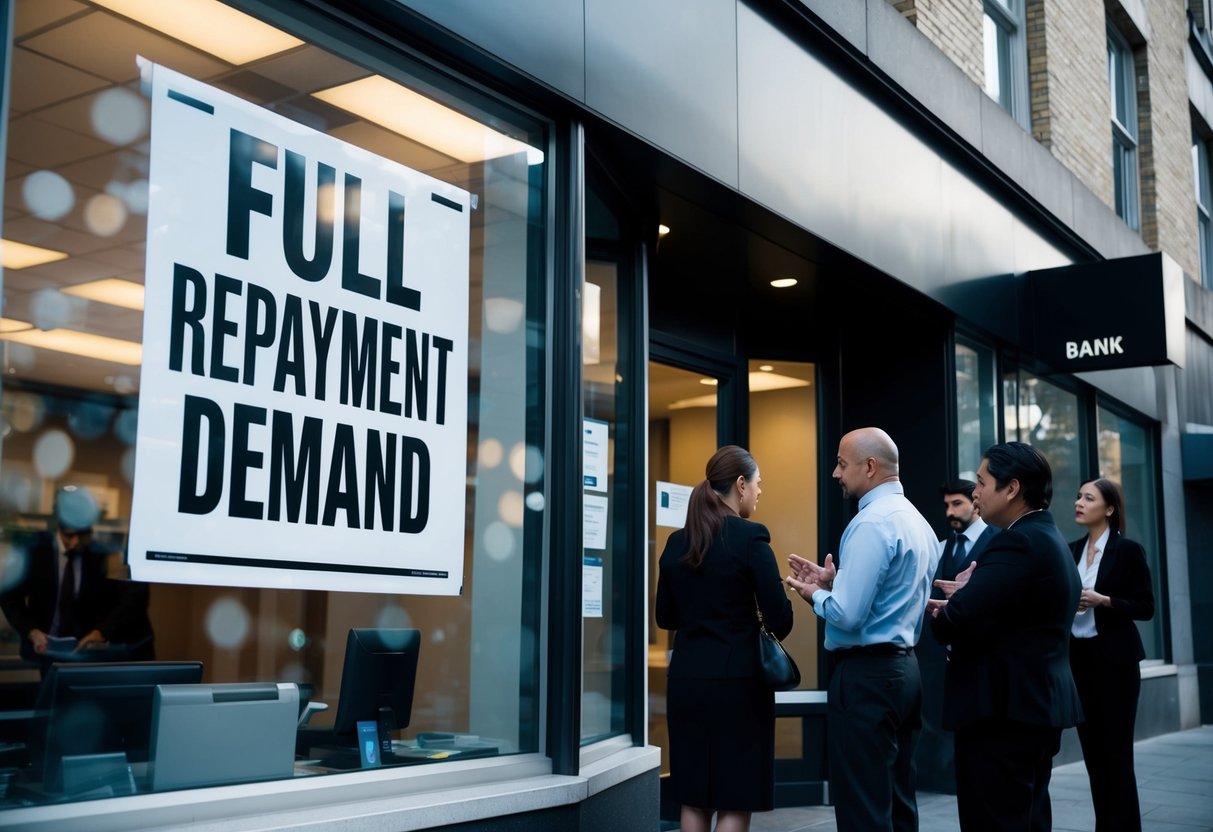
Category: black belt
[874,650]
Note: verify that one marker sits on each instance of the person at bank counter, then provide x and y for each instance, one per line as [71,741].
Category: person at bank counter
[873,603]
[1106,649]
[64,604]
[717,574]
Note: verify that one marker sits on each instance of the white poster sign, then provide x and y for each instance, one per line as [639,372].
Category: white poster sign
[594,445]
[594,521]
[672,500]
[303,403]
[591,586]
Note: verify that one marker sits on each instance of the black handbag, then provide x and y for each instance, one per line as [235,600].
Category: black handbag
[779,670]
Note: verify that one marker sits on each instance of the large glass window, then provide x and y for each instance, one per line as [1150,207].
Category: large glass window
[1005,52]
[1123,91]
[1204,206]
[976,405]
[605,552]
[1126,455]
[1047,416]
[80,135]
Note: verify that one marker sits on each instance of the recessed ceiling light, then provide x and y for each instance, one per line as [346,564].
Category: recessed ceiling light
[211,26]
[70,341]
[15,255]
[710,382]
[111,290]
[784,282]
[424,120]
[662,230]
[766,368]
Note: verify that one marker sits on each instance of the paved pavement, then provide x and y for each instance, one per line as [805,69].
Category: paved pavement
[1174,781]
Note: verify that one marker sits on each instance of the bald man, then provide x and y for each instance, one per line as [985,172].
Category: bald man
[873,605]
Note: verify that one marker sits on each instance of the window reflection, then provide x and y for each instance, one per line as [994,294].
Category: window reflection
[1126,456]
[1047,417]
[75,233]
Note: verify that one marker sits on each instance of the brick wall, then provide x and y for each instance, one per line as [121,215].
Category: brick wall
[1069,98]
[1168,200]
[952,25]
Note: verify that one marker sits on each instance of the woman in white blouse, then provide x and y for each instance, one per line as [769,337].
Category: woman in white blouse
[1106,650]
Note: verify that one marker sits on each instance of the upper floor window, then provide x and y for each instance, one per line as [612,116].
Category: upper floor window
[1123,94]
[1204,207]
[1006,77]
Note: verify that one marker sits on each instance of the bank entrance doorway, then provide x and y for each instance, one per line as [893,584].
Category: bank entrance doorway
[692,410]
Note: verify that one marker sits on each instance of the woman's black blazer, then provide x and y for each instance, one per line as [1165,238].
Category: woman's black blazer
[1125,578]
[713,608]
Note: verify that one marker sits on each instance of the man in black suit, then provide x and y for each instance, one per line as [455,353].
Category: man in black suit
[970,532]
[1008,688]
[969,536]
[64,591]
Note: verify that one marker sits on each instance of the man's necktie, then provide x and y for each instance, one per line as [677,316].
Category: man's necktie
[67,599]
[958,554]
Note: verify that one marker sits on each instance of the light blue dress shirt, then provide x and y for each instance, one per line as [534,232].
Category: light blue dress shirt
[887,558]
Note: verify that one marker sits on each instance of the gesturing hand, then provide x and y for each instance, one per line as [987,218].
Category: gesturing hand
[962,578]
[934,605]
[806,571]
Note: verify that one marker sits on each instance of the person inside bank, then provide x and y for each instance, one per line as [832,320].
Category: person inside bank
[65,605]
[717,575]
[1106,650]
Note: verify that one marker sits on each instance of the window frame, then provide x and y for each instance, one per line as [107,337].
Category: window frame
[1126,169]
[1009,19]
[1203,195]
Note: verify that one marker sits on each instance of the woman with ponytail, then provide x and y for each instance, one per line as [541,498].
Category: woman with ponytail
[717,574]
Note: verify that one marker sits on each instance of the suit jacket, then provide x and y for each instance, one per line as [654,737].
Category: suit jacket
[117,608]
[1009,628]
[947,570]
[713,607]
[1125,578]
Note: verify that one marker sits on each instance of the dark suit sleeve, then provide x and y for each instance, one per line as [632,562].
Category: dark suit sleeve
[666,608]
[973,613]
[12,602]
[768,584]
[17,602]
[1131,592]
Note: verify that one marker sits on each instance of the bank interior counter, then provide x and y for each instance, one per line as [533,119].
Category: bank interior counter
[118,728]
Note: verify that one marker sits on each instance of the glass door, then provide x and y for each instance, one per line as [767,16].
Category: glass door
[682,437]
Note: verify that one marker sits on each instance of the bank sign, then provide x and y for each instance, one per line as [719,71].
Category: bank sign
[1107,315]
[303,401]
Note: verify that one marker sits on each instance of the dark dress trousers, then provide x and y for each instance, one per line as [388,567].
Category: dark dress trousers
[935,753]
[721,713]
[1108,674]
[117,608]
[1008,689]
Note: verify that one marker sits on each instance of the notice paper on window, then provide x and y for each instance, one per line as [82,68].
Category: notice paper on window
[591,587]
[672,500]
[594,522]
[594,442]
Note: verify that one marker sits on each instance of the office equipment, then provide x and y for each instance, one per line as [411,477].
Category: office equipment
[100,708]
[377,682]
[207,735]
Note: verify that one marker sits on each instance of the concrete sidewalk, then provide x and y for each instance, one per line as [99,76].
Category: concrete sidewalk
[1174,781]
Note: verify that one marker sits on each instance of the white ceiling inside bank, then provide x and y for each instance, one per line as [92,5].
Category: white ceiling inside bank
[77,166]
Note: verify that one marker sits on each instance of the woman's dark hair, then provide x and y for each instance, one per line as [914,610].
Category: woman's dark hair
[1114,496]
[706,510]
[1020,461]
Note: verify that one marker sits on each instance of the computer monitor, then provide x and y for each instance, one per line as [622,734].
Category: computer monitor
[99,708]
[377,681]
